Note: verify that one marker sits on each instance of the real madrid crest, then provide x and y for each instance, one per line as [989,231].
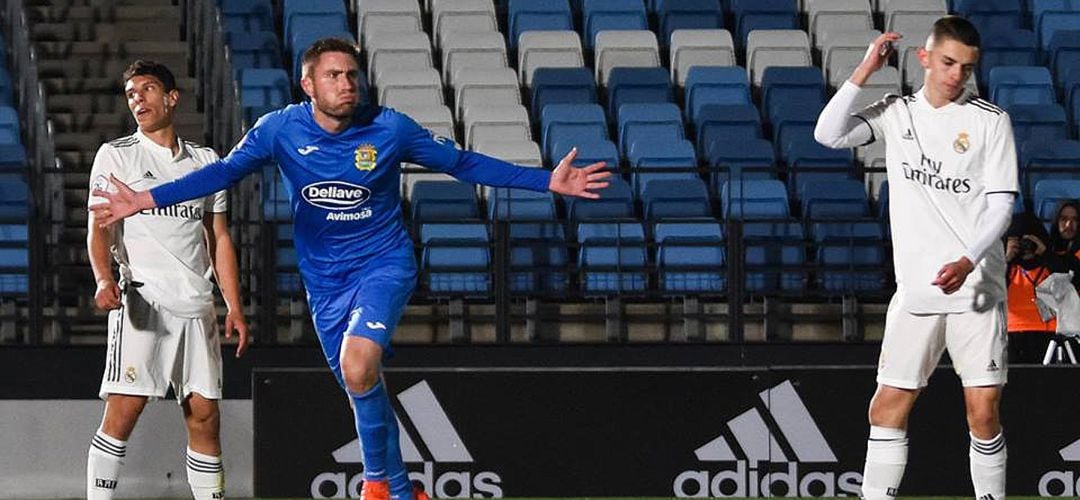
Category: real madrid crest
[130,375]
[962,143]
[365,156]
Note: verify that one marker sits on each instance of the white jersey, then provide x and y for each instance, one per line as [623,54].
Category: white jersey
[941,163]
[164,248]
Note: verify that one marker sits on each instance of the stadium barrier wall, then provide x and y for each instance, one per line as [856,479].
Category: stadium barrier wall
[749,432]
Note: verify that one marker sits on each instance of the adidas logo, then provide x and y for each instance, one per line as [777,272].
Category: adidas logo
[992,367]
[439,438]
[1062,483]
[148,175]
[907,135]
[780,431]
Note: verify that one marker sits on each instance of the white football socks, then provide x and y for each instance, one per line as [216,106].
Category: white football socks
[988,467]
[103,463]
[206,476]
[886,458]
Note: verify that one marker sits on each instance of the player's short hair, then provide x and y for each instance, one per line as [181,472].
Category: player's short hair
[956,28]
[150,68]
[324,45]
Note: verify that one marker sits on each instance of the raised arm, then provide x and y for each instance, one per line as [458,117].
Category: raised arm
[838,127]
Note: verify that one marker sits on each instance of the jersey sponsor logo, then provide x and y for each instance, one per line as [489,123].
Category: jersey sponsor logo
[962,143]
[759,470]
[928,173]
[177,211]
[335,195]
[306,150]
[444,446]
[1062,483]
[365,156]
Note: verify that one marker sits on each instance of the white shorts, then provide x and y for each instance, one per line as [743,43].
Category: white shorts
[913,345]
[151,349]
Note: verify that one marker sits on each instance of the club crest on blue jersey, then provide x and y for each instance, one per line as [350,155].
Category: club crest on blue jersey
[366,156]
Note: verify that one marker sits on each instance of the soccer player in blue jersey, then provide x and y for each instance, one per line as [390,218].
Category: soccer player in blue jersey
[355,256]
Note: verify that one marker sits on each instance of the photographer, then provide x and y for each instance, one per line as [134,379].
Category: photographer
[1064,240]
[1029,263]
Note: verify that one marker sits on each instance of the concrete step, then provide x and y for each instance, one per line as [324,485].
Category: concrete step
[128,51]
[106,32]
[104,85]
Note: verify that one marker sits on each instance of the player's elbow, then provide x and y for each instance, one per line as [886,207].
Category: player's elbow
[824,137]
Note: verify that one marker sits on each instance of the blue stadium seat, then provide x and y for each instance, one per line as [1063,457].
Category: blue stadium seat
[286,273]
[263,88]
[740,122]
[331,14]
[241,16]
[851,256]
[841,199]
[12,157]
[276,205]
[883,202]
[647,157]
[562,86]
[7,87]
[752,15]
[9,126]
[14,198]
[616,201]
[1007,48]
[794,121]
[637,85]
[808,160]
[783,87]
[690,257]
[612,257]
[520,205]
[1049,16]
[740,159]
[687,14]
[753,199]
[992,15]
[455,258]
[589,152]
[1044,122]
[14,260]
[774,256]
[1071,91]
[541,249]
[260,49]
[649,122]
[715,85]
[668,199]
[530,15]
[1021,85]
[1064,54]
[573,122]
[443,201]
[1043,159]
[602,15]
[1049,193]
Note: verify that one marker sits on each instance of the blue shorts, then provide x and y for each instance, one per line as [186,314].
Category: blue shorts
[368,303]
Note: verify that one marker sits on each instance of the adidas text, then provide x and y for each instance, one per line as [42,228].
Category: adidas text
[448,484]
[1059,483]
[746,481]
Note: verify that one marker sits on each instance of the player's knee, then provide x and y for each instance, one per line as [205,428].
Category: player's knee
[359,377]
[121,414]
[203,420]
[983,422]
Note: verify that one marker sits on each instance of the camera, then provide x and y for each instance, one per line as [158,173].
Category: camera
[1027,246]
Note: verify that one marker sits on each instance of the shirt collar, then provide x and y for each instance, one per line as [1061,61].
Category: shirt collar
[159,149]
[919,99]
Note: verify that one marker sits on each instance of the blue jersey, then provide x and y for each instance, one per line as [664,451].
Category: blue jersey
[345,188]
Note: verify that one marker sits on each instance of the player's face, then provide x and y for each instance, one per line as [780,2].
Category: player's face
[1067,223]
[333,84]
[149,103]
[949,64]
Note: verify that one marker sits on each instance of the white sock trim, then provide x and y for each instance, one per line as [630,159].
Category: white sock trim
[886,433]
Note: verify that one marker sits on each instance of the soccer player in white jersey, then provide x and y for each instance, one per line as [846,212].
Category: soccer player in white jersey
[162,325]
[951,163]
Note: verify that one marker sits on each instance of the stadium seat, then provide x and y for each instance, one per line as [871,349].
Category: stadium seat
[486,87]
[465,51]
[1050,22]
[1044,122]
[1048,159]
[503,123]
[616,202]
[571,121]
[842,52]
[752,199]
[14,198]
[774,257]
[690,48]
[261,89]
[247,16]
[1049,193]
[766,48]
[637,85]
[690,257]
[1021,85]
[762,15]
[548,49]
[588,151]
[796,120]
[834,199]
[330,14]
[882,82]
[913,18]
[786,87]
[611,15]
[649,122]
[14,260]
[612,257]
[1064,54]
[562,86]
[462,16]
[740,122]
[398,51]
[731,159]
[276,206]
[635,48]
[380,17]
[527,15]
[808,160]
[708,85]
[443,201]
[260,49]
[414,87]
[520,152]
[674,15]
[676,160]
[851,256]
[826,16]
[455,258]
[669,199]
[1006,48]
[539,253]
[9,126]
